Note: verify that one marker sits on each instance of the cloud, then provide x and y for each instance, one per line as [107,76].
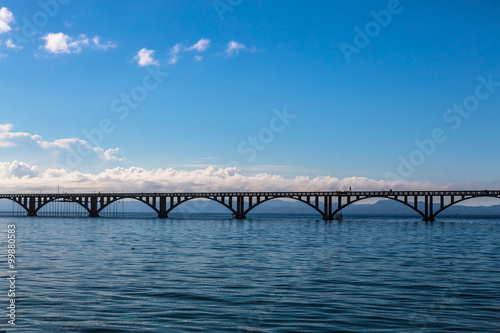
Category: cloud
[234,48]
[17,176]
[61,143]
[174,52]
[200,46]
[6,17]
[145,58]
[10,45]
[61,43]
[5,127]
[19,170]
[9,139]
[97,44]
[110,154]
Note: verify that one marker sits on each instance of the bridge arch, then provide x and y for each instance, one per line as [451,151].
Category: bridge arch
[55,198]
[284,197]
[17,202]
[62,208]
[378,196]
[462,200]
[191,198]
[116,199]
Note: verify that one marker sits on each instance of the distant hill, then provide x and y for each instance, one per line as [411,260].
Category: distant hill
[380,208]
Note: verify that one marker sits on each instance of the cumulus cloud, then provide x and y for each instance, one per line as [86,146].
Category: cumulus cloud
[97,44]
[10,45]
[145,57]
[234,48]
[17,170]
[6,18]
[200,46]
[17,176]
[61,43]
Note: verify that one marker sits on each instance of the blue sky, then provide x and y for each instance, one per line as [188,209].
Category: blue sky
[265,86]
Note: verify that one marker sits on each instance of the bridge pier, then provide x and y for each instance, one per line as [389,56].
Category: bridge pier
[32,206]
[93,207]
[162,214]
[428,219]
[240,208]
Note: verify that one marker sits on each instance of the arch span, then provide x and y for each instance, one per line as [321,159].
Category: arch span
[116,199]
[177,204]
[371,197]
[17,202]
[54,199]
[284,197]
[462,200]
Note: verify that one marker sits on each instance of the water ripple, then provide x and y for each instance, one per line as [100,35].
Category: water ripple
[261,275]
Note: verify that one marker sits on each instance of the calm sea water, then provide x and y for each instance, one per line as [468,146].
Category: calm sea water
[266,274]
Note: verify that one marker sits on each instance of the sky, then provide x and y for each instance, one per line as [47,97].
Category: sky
[249,95]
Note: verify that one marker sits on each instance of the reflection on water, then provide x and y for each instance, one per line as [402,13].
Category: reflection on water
[267,274]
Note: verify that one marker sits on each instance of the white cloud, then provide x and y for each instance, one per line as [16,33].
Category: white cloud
[11,139]
[10,45]
[198,58]
[19,170]
[62,143]
[5,127]
[174,51]
[17,176]
[97,44]
[110,154]
[200,46]
[65,146]
[234,48]
[61,43]
[6,17]
[145,58]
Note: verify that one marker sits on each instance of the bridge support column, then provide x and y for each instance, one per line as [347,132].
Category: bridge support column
[240,208]
[163,208]
[327,213]
[93,207]
[32,206]
[429,209]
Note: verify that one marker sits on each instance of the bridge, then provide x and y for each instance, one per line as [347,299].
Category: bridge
[426,203]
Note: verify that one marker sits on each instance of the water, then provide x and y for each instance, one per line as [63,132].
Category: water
[266,274]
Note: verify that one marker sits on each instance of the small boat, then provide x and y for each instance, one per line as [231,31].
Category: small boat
[338,217]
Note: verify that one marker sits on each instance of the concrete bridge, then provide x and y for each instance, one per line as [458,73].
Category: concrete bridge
[328,204]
